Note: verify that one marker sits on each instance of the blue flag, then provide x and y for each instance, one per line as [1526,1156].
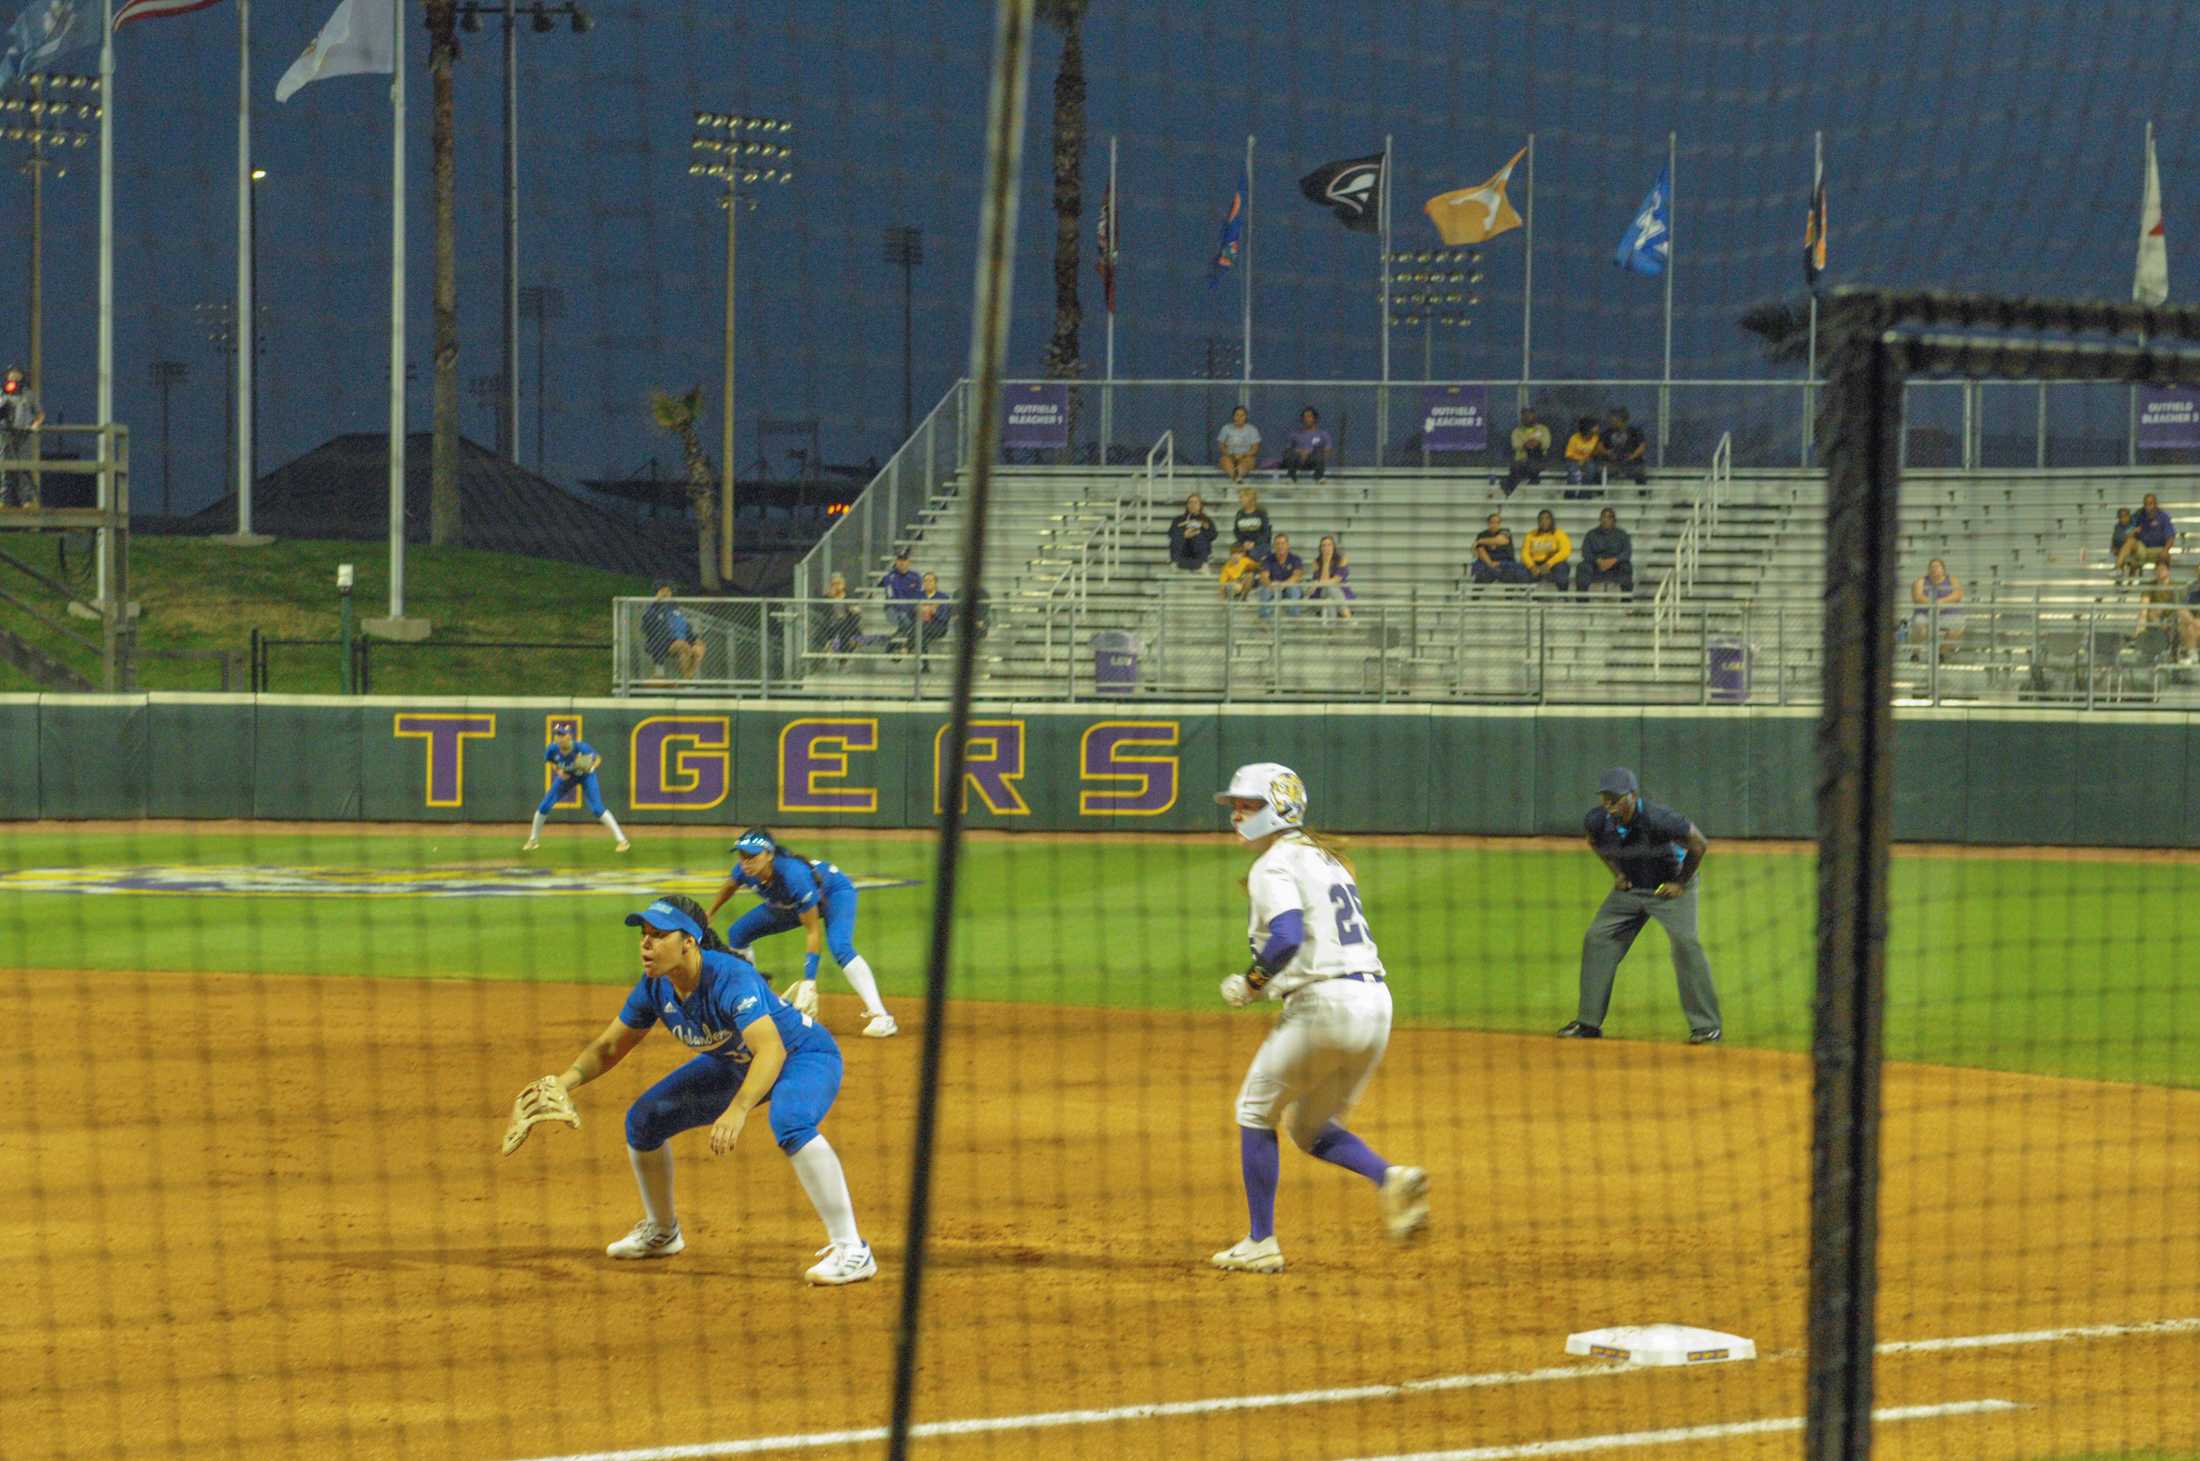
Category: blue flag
[1233,235]
[46,29]
[1647,245]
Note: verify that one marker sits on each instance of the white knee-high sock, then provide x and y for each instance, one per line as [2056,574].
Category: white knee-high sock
[864,983]
[534,833]
[818,1167]
[613,823]
[653,1174]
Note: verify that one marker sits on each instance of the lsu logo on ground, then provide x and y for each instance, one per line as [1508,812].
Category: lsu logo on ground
[361,882]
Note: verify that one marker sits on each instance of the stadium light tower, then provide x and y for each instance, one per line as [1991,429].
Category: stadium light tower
[541,303]
[905,249]
[748,154]
[166,376]
[544,17]
[48,111]
[1432,287]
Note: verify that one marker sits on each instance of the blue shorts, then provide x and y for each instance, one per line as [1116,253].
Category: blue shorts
[558,789]
[698,1093]
[838,912]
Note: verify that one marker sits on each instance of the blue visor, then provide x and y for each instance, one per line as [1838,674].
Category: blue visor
[665,918]
[754,843]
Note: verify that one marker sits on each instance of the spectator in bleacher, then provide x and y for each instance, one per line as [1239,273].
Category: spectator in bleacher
[1493,555]
[1309,447]
[1251,522]
[840,624]
[1547,552]
[2152,539]
[1192,536]
[1936,586]
[1241,573]
[20,415]
[2156,633]
[1581,451]
[934,614]
[903,587]
[668,637]
[1282,575]
[1332,570]
[1531,447]
[1607,556]
[2117,534]
[1621,450]
[1238,446]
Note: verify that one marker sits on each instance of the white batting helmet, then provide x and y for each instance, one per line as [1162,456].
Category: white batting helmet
[1277,787]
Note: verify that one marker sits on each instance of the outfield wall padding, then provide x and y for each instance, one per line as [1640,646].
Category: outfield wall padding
[1997,777]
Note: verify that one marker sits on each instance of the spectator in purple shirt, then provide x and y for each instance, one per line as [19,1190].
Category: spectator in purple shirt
[903,588]
[2153,538]
[1282,575]
[1332,575]
[1309,447]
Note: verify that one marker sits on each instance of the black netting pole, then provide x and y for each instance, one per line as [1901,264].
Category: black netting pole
[988,344]
[1855,800]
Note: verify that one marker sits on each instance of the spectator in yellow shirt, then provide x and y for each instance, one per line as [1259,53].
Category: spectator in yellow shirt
[1581,451]
[1241,573]
[1546,552]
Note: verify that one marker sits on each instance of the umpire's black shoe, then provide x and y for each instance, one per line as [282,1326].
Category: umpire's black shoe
[1705,1037]
[1575,1030]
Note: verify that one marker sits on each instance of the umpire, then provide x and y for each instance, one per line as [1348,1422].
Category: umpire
[1654,853]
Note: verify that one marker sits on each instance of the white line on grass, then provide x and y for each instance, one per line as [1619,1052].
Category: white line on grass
[1625,1439]
[1164,1410]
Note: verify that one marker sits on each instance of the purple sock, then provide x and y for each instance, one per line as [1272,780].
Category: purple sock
[1263,1165]
[1338,1145]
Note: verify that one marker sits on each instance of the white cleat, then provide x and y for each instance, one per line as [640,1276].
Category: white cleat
[623,846]
[1405,1202]
[882,1027]
[1247,1256]
[648,1241]
[529,845]
[843,1265]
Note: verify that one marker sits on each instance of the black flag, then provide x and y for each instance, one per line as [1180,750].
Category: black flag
[1352,189]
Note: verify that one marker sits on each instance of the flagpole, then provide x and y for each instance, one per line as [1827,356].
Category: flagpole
[2131,393]
[1245,352]
[106,382]
[1115,228]
[397,317]
[1665,392]
[1527,279]
[1383,221]
[241,335]
[1810,355]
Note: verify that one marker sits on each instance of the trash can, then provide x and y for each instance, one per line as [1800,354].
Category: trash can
[1726,668]
[1114,662]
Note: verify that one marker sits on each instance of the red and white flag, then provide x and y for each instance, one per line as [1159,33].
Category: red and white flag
[2150,282]
[1105,263]
[130,10]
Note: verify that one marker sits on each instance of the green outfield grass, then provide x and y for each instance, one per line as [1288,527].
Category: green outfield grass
[2062,967]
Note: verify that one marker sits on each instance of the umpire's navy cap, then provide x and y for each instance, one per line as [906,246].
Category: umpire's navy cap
[665,918]
[1617,782]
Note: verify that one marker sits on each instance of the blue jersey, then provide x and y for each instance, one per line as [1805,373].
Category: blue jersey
[795,884]
[564,760]
[729,998]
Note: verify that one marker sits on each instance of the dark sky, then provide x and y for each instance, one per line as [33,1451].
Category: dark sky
[1967,146]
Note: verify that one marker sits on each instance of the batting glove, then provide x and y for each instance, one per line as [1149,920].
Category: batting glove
[802,994]
[1237,992]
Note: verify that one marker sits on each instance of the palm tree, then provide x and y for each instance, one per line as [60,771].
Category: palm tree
[443,502]
[678,415]
[1063,352]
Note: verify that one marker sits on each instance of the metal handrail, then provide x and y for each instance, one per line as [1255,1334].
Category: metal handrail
[1105,541]
[820,556]
[1703,520]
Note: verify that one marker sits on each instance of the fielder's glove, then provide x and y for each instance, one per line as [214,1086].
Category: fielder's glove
[802,994]
[545,1100]
[585,765]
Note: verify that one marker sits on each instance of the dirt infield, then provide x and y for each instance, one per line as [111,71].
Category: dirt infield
[267,1216]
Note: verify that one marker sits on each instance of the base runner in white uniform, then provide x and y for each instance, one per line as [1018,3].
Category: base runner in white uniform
[1314,953]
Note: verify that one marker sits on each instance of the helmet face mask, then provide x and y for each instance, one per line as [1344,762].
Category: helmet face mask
[1279,790]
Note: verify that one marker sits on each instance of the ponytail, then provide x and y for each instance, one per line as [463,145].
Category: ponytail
[1329,846]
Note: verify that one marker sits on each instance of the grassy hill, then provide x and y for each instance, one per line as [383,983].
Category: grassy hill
[200,594]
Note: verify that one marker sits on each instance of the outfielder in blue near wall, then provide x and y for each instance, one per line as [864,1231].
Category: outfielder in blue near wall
[815,897]
[575,762]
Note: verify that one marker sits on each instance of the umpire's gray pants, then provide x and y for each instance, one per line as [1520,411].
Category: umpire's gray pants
[1612,932]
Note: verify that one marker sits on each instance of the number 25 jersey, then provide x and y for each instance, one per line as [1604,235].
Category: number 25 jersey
[1294,875]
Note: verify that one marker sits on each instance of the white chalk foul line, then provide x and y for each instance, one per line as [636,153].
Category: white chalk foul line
[1220,1405]
[1625,1439]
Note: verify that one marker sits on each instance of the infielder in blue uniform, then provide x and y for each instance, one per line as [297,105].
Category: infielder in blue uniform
[750,1048]
[815,897]
[576,762]
[1654,853]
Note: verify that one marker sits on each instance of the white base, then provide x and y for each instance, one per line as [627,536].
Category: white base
[1661,1344]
